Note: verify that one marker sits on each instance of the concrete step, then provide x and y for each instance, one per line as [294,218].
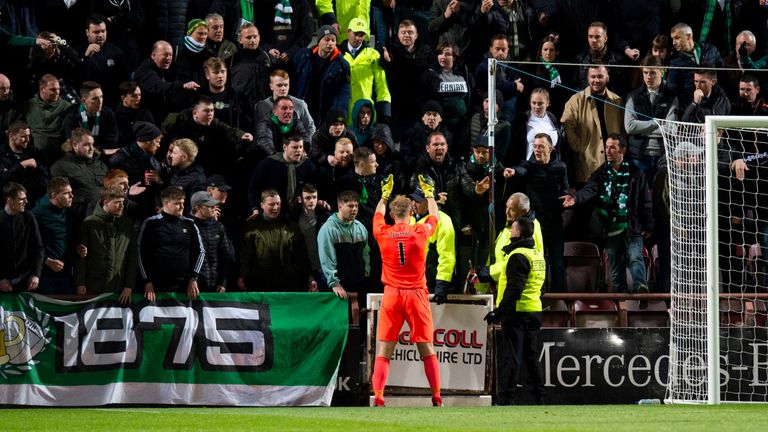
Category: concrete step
[426,401]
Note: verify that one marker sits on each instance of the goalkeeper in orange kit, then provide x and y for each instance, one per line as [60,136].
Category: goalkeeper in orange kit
[406,298]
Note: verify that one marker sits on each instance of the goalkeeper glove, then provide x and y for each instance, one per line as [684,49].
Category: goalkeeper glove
[386,187]
[427,186]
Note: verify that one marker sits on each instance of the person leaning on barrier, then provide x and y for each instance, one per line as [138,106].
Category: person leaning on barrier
[171,251]
[219,253]
[108,235]
[518,309]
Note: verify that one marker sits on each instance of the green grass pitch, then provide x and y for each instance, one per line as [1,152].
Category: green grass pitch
[612,418]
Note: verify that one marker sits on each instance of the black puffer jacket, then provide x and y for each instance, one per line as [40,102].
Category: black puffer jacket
[167,19]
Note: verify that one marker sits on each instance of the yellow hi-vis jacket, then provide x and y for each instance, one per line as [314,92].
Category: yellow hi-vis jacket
[530,295]
[444,240]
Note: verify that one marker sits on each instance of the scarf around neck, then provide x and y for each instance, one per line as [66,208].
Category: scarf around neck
[193,45]
[86,123]
[613,200]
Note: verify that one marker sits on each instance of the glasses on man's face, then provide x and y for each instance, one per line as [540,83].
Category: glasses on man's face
[22,199]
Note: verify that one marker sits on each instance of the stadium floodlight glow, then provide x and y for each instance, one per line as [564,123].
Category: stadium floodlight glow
[714,214]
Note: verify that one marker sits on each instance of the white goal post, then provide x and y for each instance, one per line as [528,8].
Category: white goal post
[700,180]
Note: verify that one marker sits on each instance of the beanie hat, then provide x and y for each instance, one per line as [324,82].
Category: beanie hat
[335,116]
[195,23]
[326,30]
[432,105]
[145,131]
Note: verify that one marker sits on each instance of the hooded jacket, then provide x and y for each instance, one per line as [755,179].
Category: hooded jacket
[219,254]
[361,135]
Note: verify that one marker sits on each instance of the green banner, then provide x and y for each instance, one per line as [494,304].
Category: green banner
[253,349]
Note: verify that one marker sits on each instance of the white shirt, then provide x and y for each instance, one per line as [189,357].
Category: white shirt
[538,125]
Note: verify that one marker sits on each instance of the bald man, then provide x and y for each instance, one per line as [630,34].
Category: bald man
[9,110]
[161,91]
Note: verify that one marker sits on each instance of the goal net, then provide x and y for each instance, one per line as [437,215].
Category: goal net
[718,206]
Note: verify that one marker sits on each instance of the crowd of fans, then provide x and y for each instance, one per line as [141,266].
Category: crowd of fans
[202,145]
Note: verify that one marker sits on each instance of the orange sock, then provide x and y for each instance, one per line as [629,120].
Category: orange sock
[379,379]
[432,370]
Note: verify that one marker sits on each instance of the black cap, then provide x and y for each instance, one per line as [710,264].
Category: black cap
[218,182]
[417,195]
[145,131]
[431,105]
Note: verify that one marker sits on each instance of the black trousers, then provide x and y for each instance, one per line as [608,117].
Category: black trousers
[522,334]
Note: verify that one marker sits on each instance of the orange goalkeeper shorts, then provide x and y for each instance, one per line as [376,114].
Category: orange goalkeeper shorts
[409,305]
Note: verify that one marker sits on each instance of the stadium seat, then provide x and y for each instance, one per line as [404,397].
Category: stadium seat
[582,266]
[555,313]
[595,313]
[761,312]
[733,313]
[653,313]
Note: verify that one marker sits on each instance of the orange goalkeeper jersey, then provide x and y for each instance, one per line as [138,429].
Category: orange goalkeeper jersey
[403,251]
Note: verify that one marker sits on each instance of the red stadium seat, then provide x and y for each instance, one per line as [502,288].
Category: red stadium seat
[555,313]
[582,266]
[653,313]
[733,313]
[595,313]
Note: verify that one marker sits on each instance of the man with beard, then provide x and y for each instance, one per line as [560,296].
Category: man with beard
[91,114]
[104,62]
[84,171]
[436,163]
[589,116]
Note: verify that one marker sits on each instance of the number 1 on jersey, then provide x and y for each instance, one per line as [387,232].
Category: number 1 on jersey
[401,252]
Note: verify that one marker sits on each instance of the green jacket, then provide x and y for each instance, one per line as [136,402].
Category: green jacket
[273,256]
[367,78]
[46,121]
[110,264]
[8,38]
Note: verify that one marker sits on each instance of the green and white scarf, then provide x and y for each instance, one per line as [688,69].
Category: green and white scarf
[613,201]
[85,123]
[283,11]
